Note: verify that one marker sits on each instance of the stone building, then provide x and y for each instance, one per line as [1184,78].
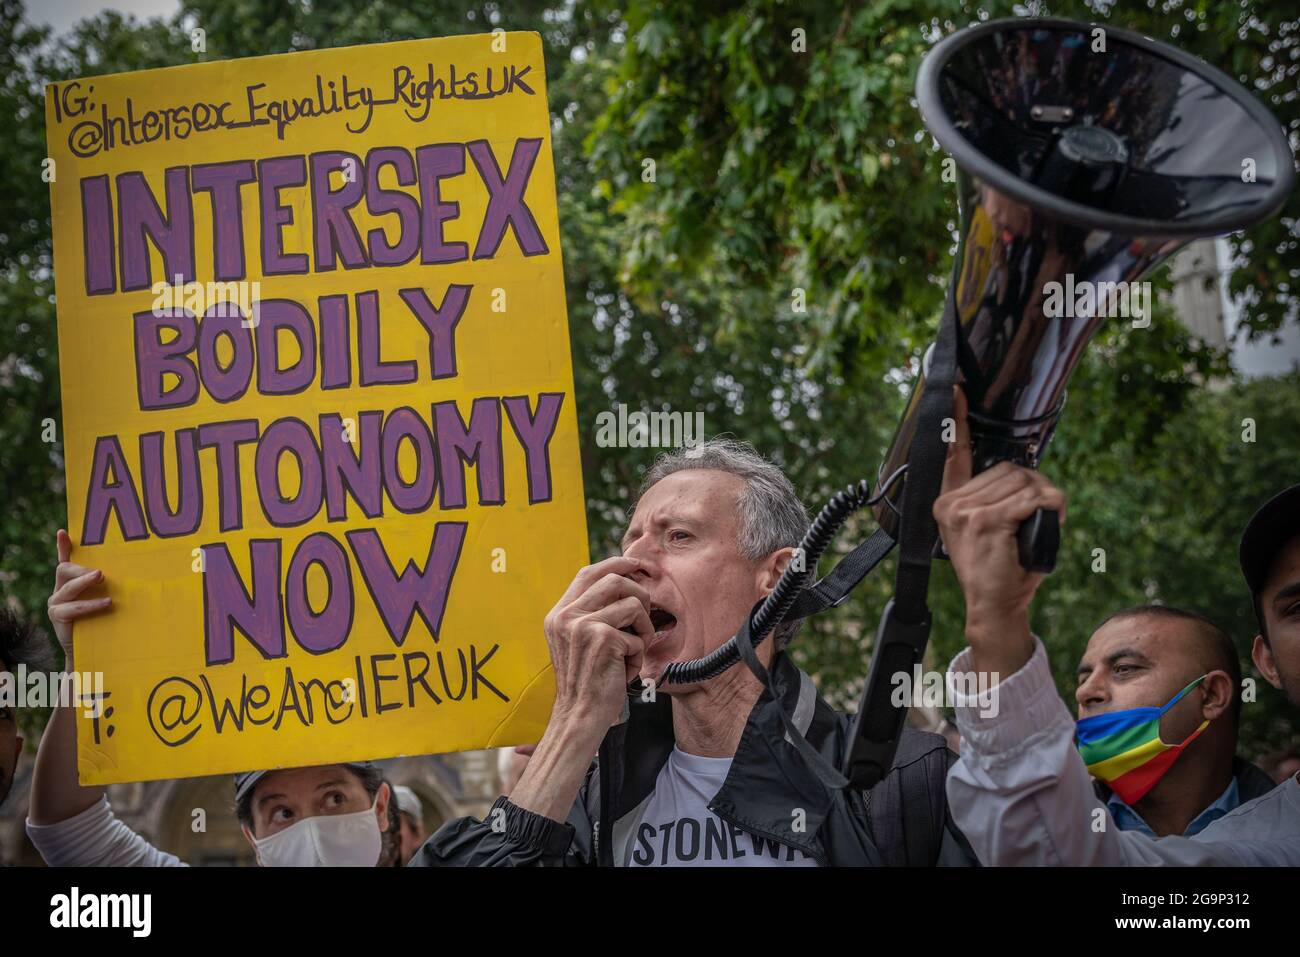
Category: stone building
[1197,299]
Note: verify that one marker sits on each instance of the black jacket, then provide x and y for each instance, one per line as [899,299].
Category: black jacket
[902,820]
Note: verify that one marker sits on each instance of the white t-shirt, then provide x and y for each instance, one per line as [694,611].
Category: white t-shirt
[678,829]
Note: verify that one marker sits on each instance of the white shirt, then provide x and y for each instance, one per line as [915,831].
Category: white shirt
[1021,793]
[96,838]
[677,828]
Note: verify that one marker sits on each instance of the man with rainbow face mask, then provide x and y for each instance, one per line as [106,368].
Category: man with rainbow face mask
[1158,709]
[1021,792]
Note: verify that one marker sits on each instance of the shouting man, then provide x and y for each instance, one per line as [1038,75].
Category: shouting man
[703,774]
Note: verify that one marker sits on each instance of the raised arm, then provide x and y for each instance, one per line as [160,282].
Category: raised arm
[72,825]
[56,793]
[1020,792]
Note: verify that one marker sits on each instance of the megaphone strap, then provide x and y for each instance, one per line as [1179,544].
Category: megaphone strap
[823,769]
[918,531]
[833,589]
[905,626]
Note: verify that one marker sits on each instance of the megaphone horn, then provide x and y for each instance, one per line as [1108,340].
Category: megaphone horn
[1086,156]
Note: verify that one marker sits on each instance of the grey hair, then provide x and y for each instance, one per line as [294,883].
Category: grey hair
[771,515]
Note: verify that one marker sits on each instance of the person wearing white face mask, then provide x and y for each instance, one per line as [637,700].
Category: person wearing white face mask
[335,815]
[332,816]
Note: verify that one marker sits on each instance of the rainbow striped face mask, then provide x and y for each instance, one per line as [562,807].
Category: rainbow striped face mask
[1123,748]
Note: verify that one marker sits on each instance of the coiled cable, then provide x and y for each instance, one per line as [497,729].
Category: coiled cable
[793,580]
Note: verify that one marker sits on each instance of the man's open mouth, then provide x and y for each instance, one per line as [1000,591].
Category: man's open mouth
[663,623]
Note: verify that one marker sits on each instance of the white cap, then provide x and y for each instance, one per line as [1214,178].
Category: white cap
[408,802]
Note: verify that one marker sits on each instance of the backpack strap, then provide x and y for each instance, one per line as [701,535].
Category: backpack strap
[832,590]
[913,795]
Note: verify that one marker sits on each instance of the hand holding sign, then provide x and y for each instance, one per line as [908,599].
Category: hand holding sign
[71,598]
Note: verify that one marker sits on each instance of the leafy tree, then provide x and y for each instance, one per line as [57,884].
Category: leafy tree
[787,154]
[780,180]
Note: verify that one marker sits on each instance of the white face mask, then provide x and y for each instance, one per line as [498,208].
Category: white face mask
[326,840]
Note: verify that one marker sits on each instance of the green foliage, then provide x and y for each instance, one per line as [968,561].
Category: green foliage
[775,173]
[788,155]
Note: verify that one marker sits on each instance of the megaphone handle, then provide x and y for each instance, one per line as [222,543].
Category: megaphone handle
[1038,538]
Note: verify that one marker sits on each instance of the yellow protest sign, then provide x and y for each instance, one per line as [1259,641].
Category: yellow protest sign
[318,407]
